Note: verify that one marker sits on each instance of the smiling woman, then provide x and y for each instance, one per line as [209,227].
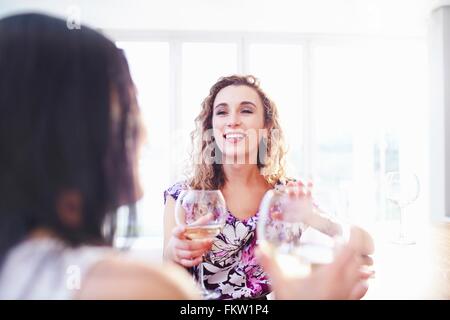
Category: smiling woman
[237,104]
[231,120]
[233,129]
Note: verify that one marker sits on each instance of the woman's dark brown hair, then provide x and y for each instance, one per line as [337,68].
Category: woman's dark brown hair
[68,122]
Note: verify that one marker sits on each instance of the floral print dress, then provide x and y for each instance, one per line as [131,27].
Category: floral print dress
[231,268]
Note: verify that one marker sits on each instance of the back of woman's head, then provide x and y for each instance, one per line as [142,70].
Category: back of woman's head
[68,124]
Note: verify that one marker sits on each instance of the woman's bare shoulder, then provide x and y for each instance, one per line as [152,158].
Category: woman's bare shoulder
[124,278]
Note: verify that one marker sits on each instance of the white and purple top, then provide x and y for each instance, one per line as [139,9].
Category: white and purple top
[231,267]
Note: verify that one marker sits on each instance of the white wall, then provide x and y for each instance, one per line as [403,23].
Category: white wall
[439,36]
[392,17]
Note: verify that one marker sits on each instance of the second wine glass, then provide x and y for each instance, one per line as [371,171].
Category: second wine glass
[402,189]
[203,213]
[284,229]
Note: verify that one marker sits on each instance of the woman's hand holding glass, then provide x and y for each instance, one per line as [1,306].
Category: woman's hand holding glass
[185,251]
[322,267]
[200,216]
[340,232]
[285,215]
[344,278]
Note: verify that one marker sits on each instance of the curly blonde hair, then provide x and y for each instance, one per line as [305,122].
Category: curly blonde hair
[210,176]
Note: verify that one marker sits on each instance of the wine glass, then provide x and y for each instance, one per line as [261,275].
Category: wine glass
[402,189]
[204,213]
[284,229]
[121,227]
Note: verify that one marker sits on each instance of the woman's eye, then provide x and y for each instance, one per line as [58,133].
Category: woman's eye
[247,111]
[219,113]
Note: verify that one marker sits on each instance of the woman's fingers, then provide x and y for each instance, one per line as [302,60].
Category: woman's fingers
[188,254]
[344,258]
[178,232]
[356,275]
[359,290]
[365,273]
[361,241]
[292,189]
[299,189]
[309,188]
[340,278]
[347,265]
[188,263]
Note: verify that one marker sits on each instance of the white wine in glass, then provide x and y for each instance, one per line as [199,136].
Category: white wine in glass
[203,232]
[203,213]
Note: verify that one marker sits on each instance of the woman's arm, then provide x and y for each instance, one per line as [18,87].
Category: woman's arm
[325,224]
[123,278]
[169,226]
[320,221]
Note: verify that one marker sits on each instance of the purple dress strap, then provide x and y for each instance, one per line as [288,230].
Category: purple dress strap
[174,191]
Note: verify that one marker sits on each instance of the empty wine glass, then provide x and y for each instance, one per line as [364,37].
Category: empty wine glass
[402,189]
[283,229]
[203,213]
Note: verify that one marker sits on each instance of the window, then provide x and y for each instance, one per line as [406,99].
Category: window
[369,105]
[279,68]
[202,65]
[149,67]
[351,111]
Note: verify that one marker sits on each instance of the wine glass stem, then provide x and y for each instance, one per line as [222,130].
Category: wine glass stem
[402,222]
[200,273]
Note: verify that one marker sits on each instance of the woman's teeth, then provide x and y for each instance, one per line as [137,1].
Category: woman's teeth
[234,136]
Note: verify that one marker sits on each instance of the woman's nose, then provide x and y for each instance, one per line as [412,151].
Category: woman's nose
[234,120]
